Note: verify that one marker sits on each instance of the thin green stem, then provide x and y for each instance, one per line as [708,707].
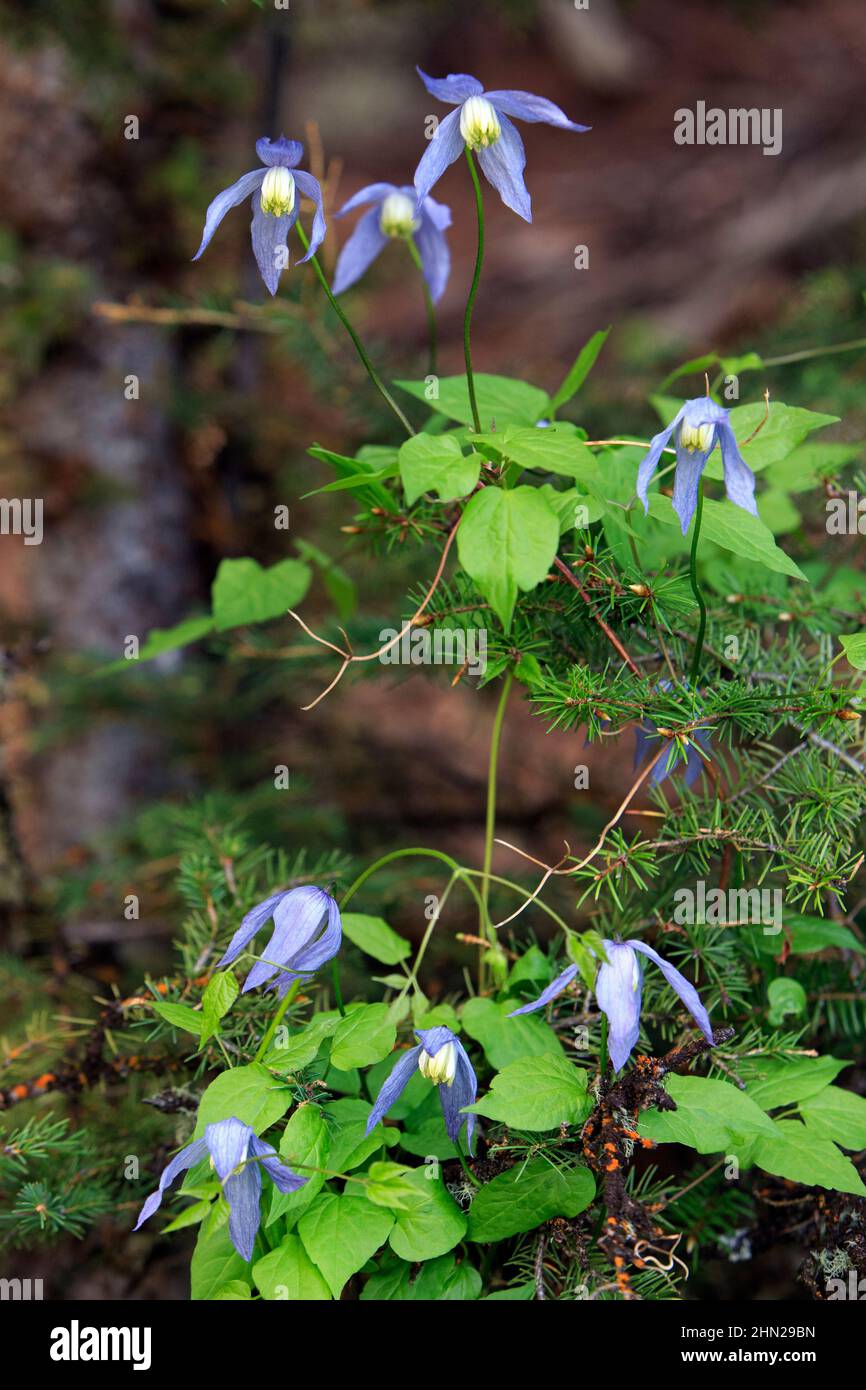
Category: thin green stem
[490,824]
[432,331]
[470,303]
[602,1048]
[338,993]
[359,346]
[277,1020]
[696,588]
[465,1166]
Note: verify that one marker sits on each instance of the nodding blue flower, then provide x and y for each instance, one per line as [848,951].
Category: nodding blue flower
[307,932]
[237,1156]
[481,124]
[647,742]
[700,425]
[441,1057]
[274,189]
[395,215]
[618,992]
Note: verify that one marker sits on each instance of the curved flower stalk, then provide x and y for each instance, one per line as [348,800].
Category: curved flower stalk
[395,216]
[481,123]
[699,425]
[237,1156]
[274,188]
[618,987]
[307,933]
[441,1057]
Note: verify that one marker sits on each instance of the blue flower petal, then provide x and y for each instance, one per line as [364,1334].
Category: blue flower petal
[229,198]
[187,1157]
[527,107]
[618,992]
[445,146]
[360,250]
[297,918]
[739,478]
[557,986]
[310,189]
[372,193]
[254,920]
[433,249]
[683,987]
[394,1086]
[454,88]
[687,476]
[281,1176]
[461,1092]
[650,462]
[243,1192]
[269,235]
[284,152]
[503,164]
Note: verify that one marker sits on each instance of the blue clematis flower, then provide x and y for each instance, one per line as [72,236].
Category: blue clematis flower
[395,215]
[237,1156]
[481,123]
[700,425]
[307,932]
[274,189]
[647,742]
[618,991]
[441,1057]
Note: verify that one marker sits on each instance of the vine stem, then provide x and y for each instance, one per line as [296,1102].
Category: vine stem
[359,346]
[473,291]
[432,332]
[277,1020]
[696,588]
[490,822]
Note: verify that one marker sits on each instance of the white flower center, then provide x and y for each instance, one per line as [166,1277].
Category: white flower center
[479,123]
[441,1067]
[694,437]
[278,192]
[397,217]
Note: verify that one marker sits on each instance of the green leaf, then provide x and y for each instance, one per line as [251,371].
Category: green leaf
[537,1093]
[574,509]
[786,428]
[507,541]
[243,592]
[431,1228]
[365,1035]
[501,399]
[180,1016]
[350,1146]
[390,1185]
[579,370]
[232,1292]
[250,1094]
[360,475]
[305,1147]
[797,1153]
[802,469]
[555,449]
[837,1114]
[289,1273]
[168,639]
[733,529]
[190,1216]
[436,463]
[786,998]
[505,1039]
[436,1280]
[298,1049]
[221,993]
[854,646]
[525,1196]
[215,1262]
[711,1116]
[428,1139]
[373,936]
[784,1081]
[339,585]
[806,935]
[341,1233]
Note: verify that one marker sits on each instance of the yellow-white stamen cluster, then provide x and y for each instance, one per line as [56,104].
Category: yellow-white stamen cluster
[694,437]
[397,217]
[441,1067]
[479,123]
[278,192]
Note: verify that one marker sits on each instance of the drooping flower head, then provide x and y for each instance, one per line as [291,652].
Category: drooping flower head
[275,203]
[699,426]
[395,215]
[618,986]
[307,933]
[237,1155]
[481,123]
[441,1057]
[647,739]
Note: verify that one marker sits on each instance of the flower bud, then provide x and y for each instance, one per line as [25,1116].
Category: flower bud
[479,123]
[397,218]
[278,192]
[441,1067]
[694,437]
[847,715]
